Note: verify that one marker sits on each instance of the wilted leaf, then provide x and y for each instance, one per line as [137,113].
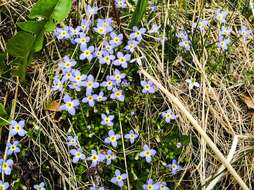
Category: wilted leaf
[249,101]
[53,106]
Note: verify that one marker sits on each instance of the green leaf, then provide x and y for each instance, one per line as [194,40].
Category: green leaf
[21,44]
[34,27]
[4,115]
[138,13]
[43,8]
[53,10]
[50,26]
[38,45]
[61,10]
[20,67]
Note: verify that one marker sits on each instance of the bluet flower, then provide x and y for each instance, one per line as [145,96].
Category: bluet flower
[174,167]
[77,155]
[13,148]
[17,128]
[6,166]
[96,158]
[147,153]
[69,105]
[118,179]
[112,138]
[131,136]
[168,115]
[107,119]
[40,186]
[150,185]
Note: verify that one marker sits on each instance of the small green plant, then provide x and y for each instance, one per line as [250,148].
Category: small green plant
[45,15]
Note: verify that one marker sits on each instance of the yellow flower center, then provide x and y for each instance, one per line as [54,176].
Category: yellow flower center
[148,153]
[78,78]
[118,77]
[90,98]
[138,33]
[87,53]
[78,154]
[109,83]
[5,166]
[69,105]
[113,138]
[67,65]
[150,186]
[131,136]
[94,157]
[13,147]
[116,39]
[18,128]
[147,87]
[168,115]
[82,40]
[122,60]
[174,166]
[118,93]
[99,98]
[101,30]
[119,178]
[90,84]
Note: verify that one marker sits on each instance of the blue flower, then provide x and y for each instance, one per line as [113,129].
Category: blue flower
[112,138]
[223,43]
[73,141]
[120,3]
[96,158]
[117,77]
[117,94]
[77,155]
[91,10]
[118,179]
[122,60]
[245,32]
[200,24]
[109,157]
[182,35]
[147,153]
[148,87]
[40,186]
[137,33]
[108,83]
[4,185]
[17,128]
[150,185]
[96,188]
[87,53]
[100,97]
[174,167]
[221,15]
[90,84]
[6,166]
[13,148]
[131,46]
[82,40]
[163,186]
[107,120]
[57,84]
[116,40]
[168,115]
[90,99]
[70,105]
[186,44]
[67,63]
[131,136]
[106,58]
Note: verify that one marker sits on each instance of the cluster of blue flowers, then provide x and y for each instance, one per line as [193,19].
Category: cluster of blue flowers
[109,51]
[13,148]
[16,130]
[224,31]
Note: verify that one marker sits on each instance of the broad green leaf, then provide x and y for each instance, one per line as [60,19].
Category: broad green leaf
[56,10]
[31,26]
[138,13]
[38,45]
[61,10]
[43,8]
[50,26]
[21,44]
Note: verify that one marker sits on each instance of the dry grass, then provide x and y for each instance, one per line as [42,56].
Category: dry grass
[216,107]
